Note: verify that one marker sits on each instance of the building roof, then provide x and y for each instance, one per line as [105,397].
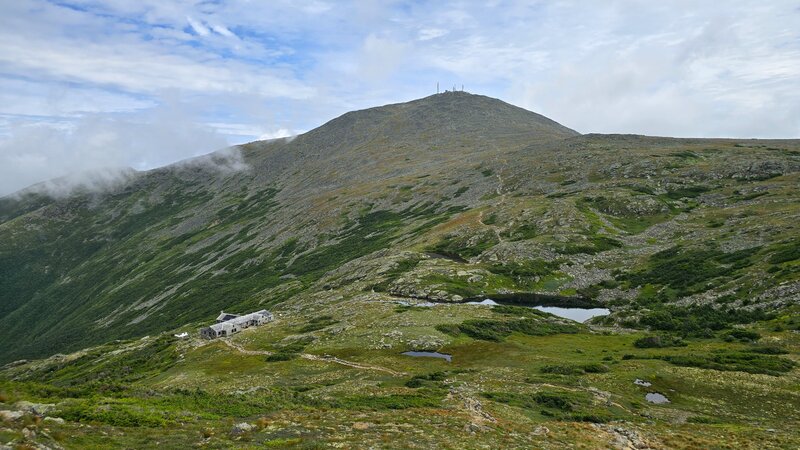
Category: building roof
[239,320]
[223,316]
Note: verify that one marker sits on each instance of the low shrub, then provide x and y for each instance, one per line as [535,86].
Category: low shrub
[743,335]
[659,341]
[114,415]
[769,350]
[497,330]
[281,356]
[424,399]
[422,380]
[578,369]
[558,405]
[729,361]
[318,323]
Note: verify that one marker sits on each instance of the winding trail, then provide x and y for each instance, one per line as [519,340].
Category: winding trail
[343,362]
[473,407]
[310,357]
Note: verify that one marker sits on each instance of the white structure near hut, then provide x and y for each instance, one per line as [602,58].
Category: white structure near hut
[228,324]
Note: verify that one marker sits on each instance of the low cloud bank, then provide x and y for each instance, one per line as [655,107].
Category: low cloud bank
[97,151]
[226,161]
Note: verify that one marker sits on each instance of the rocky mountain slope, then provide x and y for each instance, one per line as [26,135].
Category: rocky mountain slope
[176,244]
[350,231]
[179,243]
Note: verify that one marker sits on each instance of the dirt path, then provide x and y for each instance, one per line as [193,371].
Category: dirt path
[343,362]
[331,359]
[478,418]
[241,349]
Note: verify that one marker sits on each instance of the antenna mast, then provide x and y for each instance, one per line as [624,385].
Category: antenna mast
[437,87]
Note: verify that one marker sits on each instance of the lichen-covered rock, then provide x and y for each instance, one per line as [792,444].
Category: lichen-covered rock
[241,428]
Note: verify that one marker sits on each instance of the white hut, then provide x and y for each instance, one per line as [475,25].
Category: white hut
[228,324]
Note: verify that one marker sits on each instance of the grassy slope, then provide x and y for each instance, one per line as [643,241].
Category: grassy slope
[187,392]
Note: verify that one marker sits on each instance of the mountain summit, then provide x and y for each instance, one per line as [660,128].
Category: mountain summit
[435,120]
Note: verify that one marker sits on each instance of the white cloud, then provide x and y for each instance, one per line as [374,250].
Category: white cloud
[427,34]
[36,152]
[223,31]
[198,27]
[380,57]
[277,134]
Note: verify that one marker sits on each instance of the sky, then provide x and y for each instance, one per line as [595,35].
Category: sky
[88,85]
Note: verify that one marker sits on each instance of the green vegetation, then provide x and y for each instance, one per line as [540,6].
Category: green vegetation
[526,269]
[290,350]
[461,247]
[318,323]
[497,330]
[591,246]
[687,192]
[521,232]
[431,379]
[393,274]
[742,335]
[785,253]
[559,405]
[574,369]
[699,320]
[424,398]
[731,361]
[659,341]
[686,270]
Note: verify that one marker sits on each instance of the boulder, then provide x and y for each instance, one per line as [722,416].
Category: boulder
[241,428]
[11,415]
[39,409]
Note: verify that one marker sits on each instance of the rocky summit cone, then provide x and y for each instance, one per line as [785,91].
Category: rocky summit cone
[405,137]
